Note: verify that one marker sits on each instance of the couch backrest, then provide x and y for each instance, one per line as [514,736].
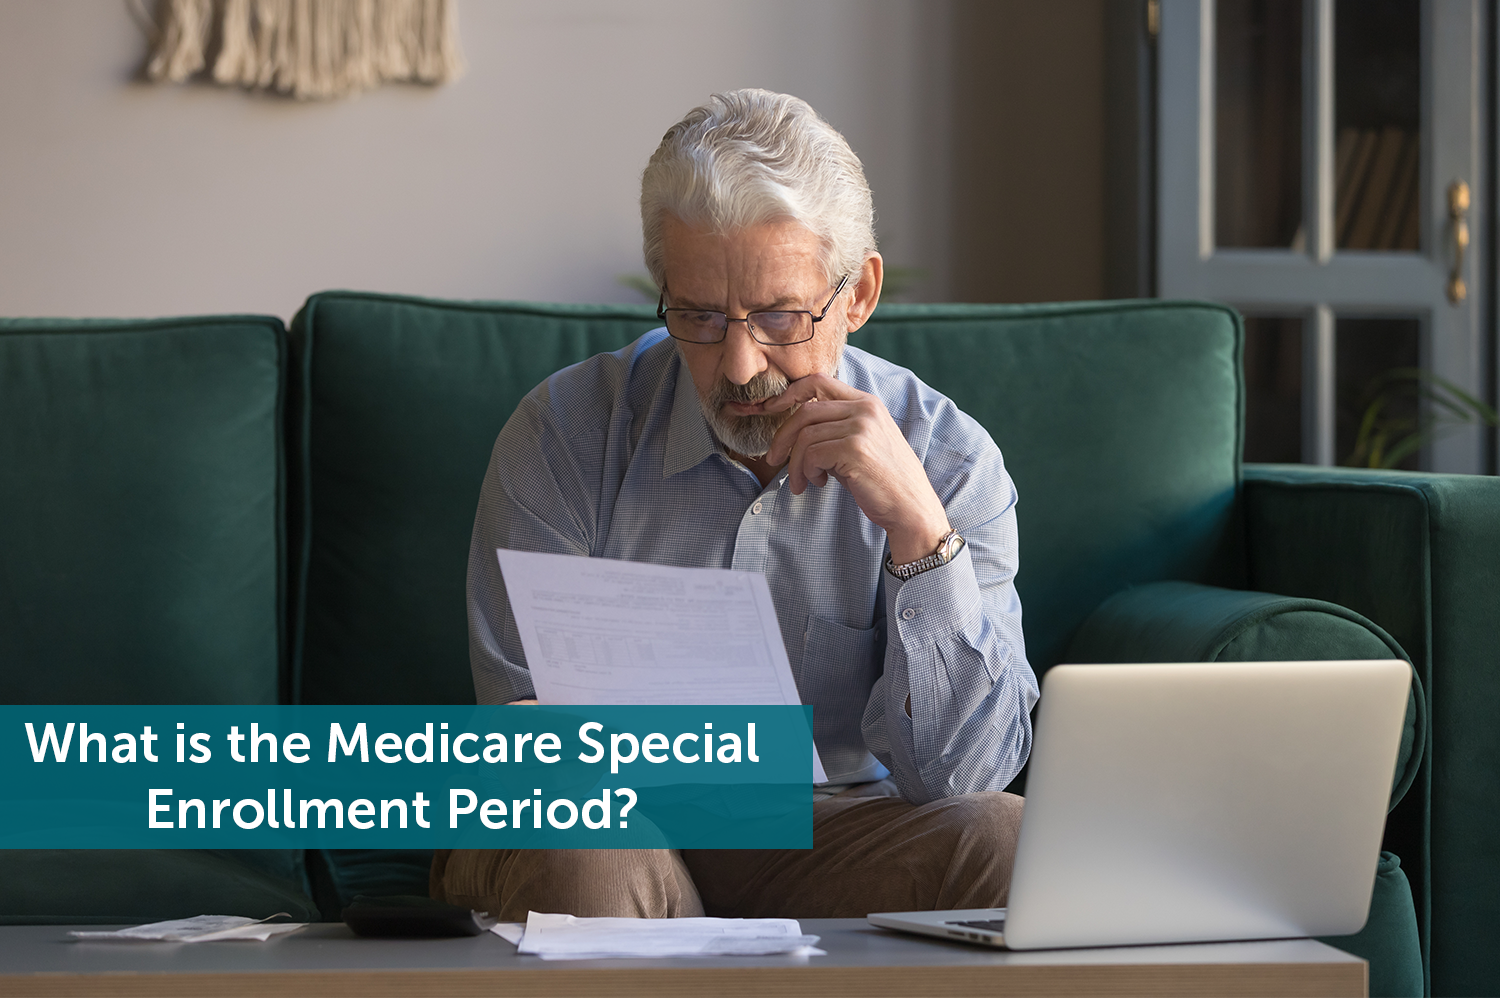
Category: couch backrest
[403,401]
[141,528]
[1120,423]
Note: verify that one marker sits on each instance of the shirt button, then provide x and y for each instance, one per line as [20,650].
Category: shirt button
[755,509]
[908,613]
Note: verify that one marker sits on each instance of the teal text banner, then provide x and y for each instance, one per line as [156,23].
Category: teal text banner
[405,777]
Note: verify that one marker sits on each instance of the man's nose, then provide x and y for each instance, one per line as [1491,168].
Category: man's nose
[743,357]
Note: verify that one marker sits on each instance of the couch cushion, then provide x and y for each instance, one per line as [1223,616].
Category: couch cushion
[95,886]
[403,401]
[1120,423]
[140,511]
[1186,622]
[1389,939]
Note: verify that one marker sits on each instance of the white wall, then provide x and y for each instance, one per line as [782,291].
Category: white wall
[121,198]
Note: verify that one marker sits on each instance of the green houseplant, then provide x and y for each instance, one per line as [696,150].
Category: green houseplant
[1389,431]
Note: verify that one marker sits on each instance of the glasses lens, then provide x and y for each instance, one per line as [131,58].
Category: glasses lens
[781,327]
[699,327]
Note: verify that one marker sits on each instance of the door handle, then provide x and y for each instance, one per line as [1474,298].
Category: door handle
[1458,215]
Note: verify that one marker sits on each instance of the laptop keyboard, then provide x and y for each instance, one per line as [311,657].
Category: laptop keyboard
[993,924]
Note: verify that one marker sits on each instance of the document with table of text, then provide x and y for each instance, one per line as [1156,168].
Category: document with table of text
[598,631]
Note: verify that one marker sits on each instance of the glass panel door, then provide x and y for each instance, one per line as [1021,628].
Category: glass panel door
[1258,123]
[1377,99]
[1380,421]
[1309,152]
[1273,389]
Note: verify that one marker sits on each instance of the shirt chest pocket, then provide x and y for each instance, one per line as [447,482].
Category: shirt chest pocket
[839,666]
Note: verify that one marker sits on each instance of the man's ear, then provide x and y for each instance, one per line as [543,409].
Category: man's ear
[867,291]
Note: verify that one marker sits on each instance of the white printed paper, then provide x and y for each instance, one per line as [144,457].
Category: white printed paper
[599,631]
[198,929]
[511,932]
[564,937]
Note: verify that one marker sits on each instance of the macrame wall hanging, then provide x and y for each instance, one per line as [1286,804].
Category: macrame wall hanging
[307,49]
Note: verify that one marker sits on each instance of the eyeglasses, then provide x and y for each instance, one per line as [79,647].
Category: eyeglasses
[781,328]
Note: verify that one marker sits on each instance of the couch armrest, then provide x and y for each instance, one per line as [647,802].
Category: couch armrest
[1418,554]
[1187,622]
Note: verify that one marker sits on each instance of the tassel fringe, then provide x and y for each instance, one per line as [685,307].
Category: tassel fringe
[308,49]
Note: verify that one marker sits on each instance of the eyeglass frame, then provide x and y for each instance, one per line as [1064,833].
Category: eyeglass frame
[662,310]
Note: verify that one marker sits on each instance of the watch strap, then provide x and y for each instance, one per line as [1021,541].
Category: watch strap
[947,549]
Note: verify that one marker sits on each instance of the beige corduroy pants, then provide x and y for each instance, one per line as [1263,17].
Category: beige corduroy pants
[869,854]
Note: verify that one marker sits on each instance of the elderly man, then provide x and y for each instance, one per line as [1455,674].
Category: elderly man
[746,435]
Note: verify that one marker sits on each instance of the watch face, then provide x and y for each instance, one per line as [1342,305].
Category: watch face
[952,544]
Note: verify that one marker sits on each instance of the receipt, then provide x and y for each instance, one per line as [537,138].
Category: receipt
[198,929]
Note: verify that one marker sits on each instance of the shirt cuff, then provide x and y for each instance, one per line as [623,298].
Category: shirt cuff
[934,604]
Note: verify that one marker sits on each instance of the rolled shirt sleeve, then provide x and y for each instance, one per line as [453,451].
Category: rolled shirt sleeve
[954,646]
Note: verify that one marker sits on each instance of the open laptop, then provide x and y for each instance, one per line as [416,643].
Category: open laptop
[1195,802]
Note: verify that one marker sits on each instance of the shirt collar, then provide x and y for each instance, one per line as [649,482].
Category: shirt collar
[689,440]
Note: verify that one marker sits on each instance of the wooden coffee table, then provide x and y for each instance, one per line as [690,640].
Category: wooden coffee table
[327,960]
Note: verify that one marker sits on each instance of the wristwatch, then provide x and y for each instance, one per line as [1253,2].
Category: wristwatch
[947,550]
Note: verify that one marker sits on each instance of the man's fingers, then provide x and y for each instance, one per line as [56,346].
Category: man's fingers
[814,386]
[823,460]
[805,468]
[813,411]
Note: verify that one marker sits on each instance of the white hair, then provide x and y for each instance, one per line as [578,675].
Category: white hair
[752,156]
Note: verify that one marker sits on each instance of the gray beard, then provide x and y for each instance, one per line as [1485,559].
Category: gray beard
[748,436]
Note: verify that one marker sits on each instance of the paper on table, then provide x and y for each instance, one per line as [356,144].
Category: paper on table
[564,937]
[511,932]
[198,929]
[598,631]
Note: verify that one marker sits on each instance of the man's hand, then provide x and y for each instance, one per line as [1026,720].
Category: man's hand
[520,703]
[850,435]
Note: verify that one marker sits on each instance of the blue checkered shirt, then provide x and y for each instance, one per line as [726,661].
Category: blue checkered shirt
[612,458]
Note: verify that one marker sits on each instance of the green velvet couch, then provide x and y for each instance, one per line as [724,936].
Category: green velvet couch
[218,510]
